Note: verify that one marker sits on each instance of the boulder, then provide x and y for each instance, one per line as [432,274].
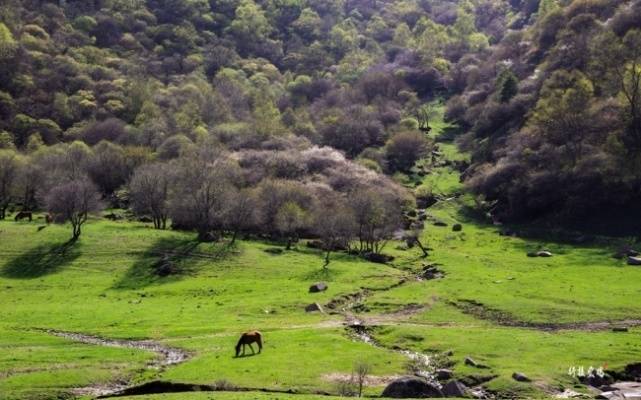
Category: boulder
[455,388]
[519,377]
[378,258]
[543,253]
[532,254]
[620,329]
[411,387]
[411,213]
[470,361]
[440,223]
[457,227]
[318,287]
[314,307]
[632,260]
[444,374]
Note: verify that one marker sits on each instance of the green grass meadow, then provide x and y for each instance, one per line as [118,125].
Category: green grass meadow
[103,285]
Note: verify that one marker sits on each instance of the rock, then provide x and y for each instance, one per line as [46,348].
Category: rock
[411,213]
[378,258]
[611,395]
[543,253]
[620,329]
[532,254]
[314,307]
[411,387]
[457,227]
[318,287]
[519,377]
[455,388]
[470,361]
[632,260]
[422,217]
[444,374]
[440,223]
[632,253]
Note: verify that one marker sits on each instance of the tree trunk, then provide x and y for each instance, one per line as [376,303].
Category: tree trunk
[420,245]
[233,237]
[327,258]
[289,243]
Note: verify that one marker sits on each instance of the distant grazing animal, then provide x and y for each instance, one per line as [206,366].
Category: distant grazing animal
[48,218]
[23,215]
[248,338]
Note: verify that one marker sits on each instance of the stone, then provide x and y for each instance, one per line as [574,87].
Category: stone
[620,329]
[532,254]
[632,260]
[470,361]
[318,287]
[520,377]
[455,388]
[543,253]
[444,374]
[457,227]
[314,307]
[411,387]
[440,223]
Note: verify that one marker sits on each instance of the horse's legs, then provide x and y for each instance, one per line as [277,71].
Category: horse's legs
[260,345]
[251,347]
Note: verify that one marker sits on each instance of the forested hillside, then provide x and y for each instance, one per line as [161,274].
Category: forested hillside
[547,93]
[554,112]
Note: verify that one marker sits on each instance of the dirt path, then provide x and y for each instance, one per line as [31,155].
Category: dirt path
[165,356]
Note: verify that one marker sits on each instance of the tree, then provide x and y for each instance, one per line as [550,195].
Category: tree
[507,85]
[241,213]
[289,220]
[149,192]
[201,192]
[562,113]
[404,149]
[9,167]
[377,214]
[72,202]
[335,225]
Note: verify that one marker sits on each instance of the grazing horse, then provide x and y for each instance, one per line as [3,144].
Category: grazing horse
[23,215]
[248,338]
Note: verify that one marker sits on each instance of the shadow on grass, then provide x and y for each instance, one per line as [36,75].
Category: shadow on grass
[168,260]
[41,260]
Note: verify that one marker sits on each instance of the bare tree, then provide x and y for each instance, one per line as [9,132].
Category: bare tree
[361,371]
[72,202]
[335,224]
[9,166]
[240,212]
[377,216]
[149,192]
[289,220]
[199,198]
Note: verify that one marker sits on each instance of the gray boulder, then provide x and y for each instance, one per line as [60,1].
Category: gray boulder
[632,260]
[314,307]
[457,227]
[444,374]
[318,287]
[411,387]
[544,253]
[519,377]
[455,388]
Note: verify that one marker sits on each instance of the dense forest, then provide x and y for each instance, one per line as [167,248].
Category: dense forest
[303,111]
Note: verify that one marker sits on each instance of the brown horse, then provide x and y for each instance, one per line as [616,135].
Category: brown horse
[248,338]
[23,215]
